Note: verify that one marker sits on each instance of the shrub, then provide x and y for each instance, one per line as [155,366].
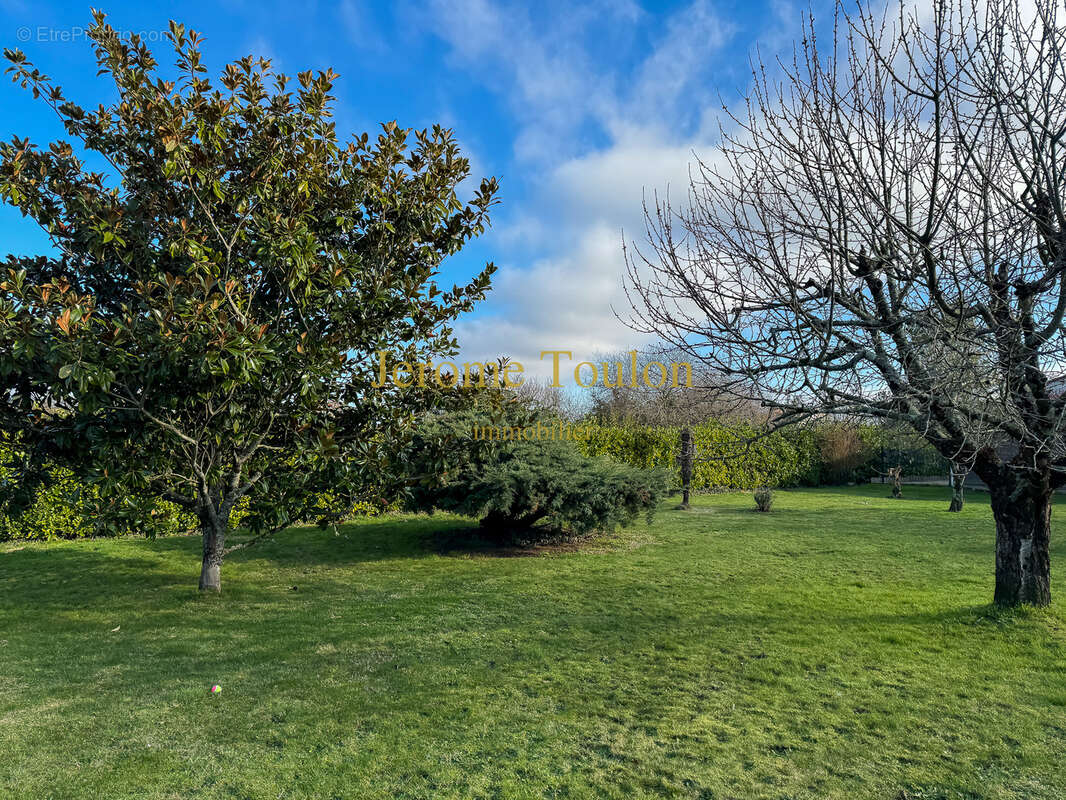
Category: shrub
[60,507]
[740,456]
[55,511]
[63,508]
[512,486]
[764,499]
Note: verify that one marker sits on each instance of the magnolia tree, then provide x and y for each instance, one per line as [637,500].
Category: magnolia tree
[883,234]
[202,328]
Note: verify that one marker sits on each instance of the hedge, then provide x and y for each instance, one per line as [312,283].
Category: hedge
[791,457]
[738,457]
[727,456]
[63,509]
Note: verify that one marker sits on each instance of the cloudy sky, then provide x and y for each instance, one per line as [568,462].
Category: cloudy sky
[578,109]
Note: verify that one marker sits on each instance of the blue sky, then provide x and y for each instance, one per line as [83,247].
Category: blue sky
[577,108]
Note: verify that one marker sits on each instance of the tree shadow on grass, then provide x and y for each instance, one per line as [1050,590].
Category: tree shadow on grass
[972,615]
[87,572]
[377,539]
[475,541]
[84,573]
[92,573]
[397,538]
[72,577]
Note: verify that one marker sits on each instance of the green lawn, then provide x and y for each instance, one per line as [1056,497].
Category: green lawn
[839,647]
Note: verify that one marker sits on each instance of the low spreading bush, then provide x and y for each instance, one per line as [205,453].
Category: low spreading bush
[764,499]
[519,487]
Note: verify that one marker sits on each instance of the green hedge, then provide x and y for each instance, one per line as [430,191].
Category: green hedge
[723,460]
[64,509]
[56,512]
[737,457]
[791,457]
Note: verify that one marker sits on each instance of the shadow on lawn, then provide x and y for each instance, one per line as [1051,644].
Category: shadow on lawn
[85,573]
[392,538]
[370,540]
[72,577]
[984,614]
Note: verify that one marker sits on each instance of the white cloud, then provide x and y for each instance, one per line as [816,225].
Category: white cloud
[573,298]
[560,283]
[559,303]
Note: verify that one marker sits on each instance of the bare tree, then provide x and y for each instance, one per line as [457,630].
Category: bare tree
[618,400]
[538,393]
[890,199]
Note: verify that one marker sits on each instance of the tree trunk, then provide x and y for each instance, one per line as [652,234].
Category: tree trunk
[957,479]
[1022,510]
[687,452]
[214,540]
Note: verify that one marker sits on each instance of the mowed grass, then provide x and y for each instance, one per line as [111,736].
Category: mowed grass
[841,646]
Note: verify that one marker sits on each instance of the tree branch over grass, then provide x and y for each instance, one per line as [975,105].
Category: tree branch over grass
[883,234]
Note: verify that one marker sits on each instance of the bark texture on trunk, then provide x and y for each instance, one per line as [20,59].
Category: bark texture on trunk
[214,541]
[957,479]
[1022,510]
[687,454]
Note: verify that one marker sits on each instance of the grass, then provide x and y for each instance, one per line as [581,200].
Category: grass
[841,646]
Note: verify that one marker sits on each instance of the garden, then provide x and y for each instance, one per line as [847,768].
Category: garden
[840,646]
[288,511]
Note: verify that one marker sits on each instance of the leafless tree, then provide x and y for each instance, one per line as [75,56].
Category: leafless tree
[538,393]
[886,208]
[621,400]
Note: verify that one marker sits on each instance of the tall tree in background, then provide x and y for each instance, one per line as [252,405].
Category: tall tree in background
[893,204]
[202,331]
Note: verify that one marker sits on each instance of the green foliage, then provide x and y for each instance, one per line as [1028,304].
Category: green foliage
[512,485]
[55,511]
[725,458]
[60,507]
[206,331]
[740,456]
